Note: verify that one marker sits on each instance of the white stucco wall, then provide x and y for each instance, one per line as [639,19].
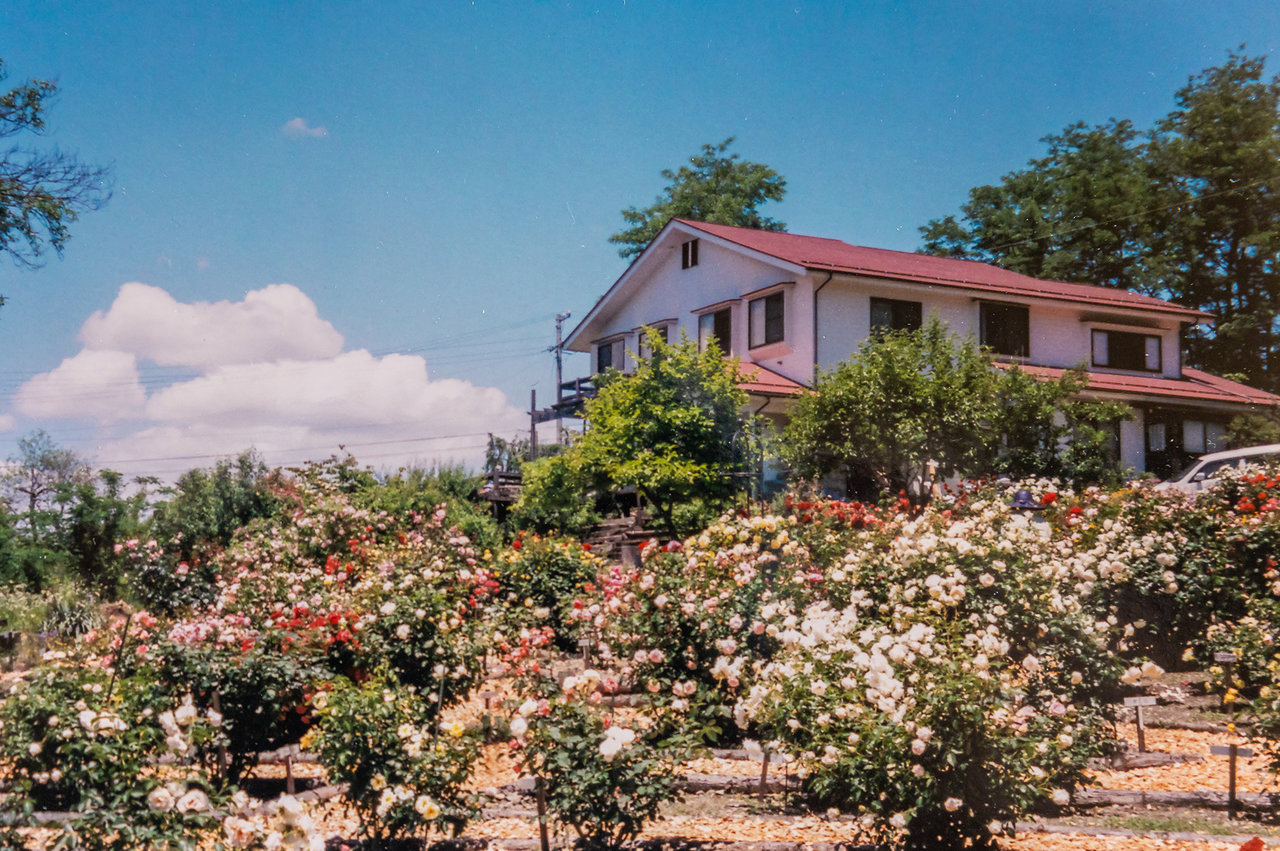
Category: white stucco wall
[1060,333]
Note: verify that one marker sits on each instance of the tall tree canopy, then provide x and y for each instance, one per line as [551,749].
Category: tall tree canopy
[41,191]
[1188,210]
[720,189]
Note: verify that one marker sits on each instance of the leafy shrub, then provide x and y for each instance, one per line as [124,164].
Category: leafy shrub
[71,611]
[71,738]
[406,770]
[540,577]
[555,497]
[602,777]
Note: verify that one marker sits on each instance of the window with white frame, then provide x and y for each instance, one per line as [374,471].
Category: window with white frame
[1200,437]
[765,320]
[663,331]
[1126,350]
[689,254]
[718,326]
[609,355]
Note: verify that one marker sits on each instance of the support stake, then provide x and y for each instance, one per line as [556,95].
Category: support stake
[542,814]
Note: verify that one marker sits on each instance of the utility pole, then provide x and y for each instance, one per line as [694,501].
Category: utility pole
[560,318]
[533,423]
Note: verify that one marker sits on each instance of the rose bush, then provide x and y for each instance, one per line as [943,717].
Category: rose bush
[405,768]
[600,774]
[323,590]
[75,738]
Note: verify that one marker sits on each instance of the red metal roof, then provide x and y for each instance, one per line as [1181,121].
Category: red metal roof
[1194,385]
[819,253]
[765,382]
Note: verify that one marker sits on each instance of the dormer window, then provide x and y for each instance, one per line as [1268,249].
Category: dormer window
[689,254]
[1127,350]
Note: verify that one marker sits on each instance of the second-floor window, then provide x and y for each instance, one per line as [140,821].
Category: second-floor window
[689,254]
[716,326]
[888,315]
[1005,328]
[1126,350]
[765,320]
[605,356]
[663,331]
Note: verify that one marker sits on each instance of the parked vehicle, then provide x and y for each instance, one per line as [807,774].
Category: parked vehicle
[1201,472]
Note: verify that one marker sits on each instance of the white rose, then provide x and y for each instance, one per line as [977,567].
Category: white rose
[194,801]
[160,799]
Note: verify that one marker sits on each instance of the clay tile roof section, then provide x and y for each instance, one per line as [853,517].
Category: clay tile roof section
[765,382]
[835,256]
[1193,386]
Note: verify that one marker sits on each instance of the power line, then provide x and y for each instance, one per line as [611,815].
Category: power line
[341,447]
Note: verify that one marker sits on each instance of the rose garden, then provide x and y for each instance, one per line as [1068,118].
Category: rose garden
[932,674]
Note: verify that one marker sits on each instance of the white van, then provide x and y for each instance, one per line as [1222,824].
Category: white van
[1201,472]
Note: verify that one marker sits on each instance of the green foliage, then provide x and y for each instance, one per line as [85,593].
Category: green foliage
[206,507]
[42,192]
[718,189]
[1048,430]
[903,400]
[1254,429]
[96,517]
[674,429]
[556,495]
[421,490]
[71,611]
[263,693]
[406,770]
[539,579]
[1182,211]
[506,455]
[601,776]
[71,738]
[909,398]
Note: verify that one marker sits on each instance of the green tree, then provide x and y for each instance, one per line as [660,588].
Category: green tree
[1047,428]
[911,398]
[1221,148]
[206,507]
[675,430]
[1188,210]
[719,189]
[41,192]
[35,475]
[97,516]
[904,400]
[1081,213]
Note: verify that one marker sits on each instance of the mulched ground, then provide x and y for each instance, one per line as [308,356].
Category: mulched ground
[737,818]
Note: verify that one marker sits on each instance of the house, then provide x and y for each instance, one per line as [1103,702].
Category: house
[789,305]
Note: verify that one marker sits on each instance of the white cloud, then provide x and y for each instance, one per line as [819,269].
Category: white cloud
[272,376]
[8,422]
[352,389]
[277,322]
[298,128]
[95,384]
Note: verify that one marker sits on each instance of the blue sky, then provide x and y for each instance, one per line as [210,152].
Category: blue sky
[434,181]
